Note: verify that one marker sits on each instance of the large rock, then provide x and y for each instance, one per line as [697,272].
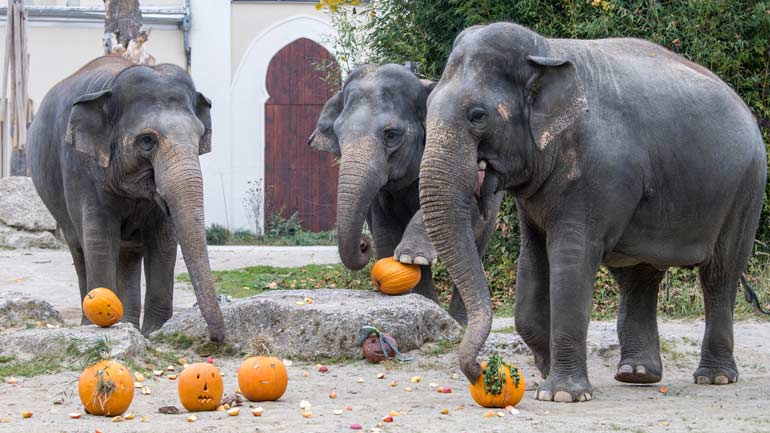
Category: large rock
[19,310]
[329,326]
[127,341]
[13,238]
[21,207]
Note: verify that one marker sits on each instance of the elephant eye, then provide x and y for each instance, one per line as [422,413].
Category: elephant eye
[146,142]
[392,136]
[477,115]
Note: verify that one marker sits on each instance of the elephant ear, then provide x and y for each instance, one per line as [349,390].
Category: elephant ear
[324,138]
[88,129]
[203,111]
[555,98]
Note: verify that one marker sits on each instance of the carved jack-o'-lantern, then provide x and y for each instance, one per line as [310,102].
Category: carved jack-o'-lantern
[372,347]
[200,387]
[102,307]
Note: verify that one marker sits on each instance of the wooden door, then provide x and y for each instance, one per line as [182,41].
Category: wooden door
[298,178]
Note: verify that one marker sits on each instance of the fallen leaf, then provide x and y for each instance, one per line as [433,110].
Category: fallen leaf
[169,410]
[664,423]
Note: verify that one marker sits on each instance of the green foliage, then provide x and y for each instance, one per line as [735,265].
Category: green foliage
[217,235]
[33,367]
[494,374]
[730,37]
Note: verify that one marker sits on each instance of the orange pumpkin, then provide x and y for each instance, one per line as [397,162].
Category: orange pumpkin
[200,387]
[106,388]
[262,378]
[394,278]
[102,307]
[509,381]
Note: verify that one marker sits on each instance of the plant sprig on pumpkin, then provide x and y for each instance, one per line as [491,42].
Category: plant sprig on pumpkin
[494,374]
[99,350]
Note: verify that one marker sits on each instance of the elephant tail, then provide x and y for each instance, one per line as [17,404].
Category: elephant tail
[751,296]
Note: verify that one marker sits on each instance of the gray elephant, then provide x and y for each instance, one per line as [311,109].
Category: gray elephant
[617,151]
[376,123]
[113,153]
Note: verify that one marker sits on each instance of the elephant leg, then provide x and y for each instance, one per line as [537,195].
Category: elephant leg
[532,308]
[415,246]
[79,261]
[101,251]
[159,260]
[637,325]
[129,283]
[573,259]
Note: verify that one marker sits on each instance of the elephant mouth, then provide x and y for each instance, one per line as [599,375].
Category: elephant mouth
[486,187]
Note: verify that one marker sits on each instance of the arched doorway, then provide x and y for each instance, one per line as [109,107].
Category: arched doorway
[298,178]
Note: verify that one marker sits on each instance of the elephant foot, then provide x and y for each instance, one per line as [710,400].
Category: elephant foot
[566,390]
[634,371]
[415,250]
[715,375]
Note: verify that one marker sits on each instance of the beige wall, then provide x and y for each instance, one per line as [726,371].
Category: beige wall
[250,19]
[56,51]
[95,3]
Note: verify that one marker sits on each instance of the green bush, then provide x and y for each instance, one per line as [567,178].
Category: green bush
[730,37]
[217,235]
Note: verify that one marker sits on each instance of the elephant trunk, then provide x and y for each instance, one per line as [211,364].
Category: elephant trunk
[180,185]
[359,182]
[448,177]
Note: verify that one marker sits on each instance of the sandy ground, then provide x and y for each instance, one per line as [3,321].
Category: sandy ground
[741,407]
[49,274]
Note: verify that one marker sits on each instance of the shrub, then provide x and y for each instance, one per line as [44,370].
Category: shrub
[217,235]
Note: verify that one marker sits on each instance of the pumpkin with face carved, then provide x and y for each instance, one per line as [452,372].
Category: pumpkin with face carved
[262,378]
[102,307]
[200,387]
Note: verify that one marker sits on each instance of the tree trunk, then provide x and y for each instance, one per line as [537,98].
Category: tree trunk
[122,23]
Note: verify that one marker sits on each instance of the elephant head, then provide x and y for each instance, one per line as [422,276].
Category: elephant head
[143,136]
[494,123]
[376,125]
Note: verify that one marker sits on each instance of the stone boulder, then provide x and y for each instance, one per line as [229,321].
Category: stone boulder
[19,310]
[21,207]
[127,341]
[327,327]
[13,238]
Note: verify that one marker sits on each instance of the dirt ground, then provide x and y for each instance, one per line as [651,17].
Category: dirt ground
[742,407]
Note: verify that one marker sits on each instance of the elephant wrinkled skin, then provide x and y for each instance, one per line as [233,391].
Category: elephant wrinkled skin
[376,124]
[113,153]
[617,151]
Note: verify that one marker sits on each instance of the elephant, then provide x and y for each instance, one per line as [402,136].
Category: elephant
[376,125]
[113,152]
[617,152]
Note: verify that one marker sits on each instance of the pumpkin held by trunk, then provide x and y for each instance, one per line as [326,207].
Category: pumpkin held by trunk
[394,278]
[200,387]
[106,388]
[499,385]
[262,378]
[102,307]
